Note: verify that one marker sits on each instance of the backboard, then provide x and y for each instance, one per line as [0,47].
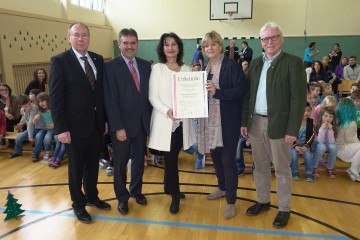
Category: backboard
[230,9]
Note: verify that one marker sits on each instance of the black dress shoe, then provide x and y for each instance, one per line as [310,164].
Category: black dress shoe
[82,215]
[100,205]
[123,207]
[174,207]
[257,208]
[140,199]
[281,219]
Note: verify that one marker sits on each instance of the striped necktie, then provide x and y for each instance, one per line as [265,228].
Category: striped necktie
[134,74]
[89,72]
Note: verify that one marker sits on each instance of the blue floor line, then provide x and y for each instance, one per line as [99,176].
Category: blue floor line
[191,225]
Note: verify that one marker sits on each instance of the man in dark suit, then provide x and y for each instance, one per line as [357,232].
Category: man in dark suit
[77,108]
[128,110]
[246,53]
[232,51]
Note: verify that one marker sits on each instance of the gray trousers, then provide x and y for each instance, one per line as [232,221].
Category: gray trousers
[264,151]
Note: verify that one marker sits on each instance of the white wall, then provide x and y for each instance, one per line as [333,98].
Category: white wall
[190,18]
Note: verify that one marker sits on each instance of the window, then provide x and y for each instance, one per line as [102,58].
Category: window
[97,5]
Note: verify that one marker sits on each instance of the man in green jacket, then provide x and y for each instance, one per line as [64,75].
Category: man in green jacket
[272,113]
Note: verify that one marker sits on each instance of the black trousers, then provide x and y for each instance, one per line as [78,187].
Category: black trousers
[171,178]
[83,168]
[226,169]
[136,148]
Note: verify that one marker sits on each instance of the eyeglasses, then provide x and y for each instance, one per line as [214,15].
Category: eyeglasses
[78,35]
[273,38]
[4,90]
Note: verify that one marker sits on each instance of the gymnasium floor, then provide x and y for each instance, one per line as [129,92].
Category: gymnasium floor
[324,209]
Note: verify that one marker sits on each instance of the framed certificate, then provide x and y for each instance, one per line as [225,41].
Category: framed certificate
[190,98]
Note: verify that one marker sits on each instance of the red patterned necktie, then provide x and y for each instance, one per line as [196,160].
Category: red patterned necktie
[134,74]
[89,72]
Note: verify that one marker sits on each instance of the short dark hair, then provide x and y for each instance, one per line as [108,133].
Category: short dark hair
[22,99]
[127,32]
[353,57]
[160,48]
[355,94]
[314,85]
[245,42]
[35,91]
[312,44]
[36,74]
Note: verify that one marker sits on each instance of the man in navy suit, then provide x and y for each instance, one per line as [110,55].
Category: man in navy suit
[78,114]
[128,110]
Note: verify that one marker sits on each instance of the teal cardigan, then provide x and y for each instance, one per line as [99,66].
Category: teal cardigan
[285,91]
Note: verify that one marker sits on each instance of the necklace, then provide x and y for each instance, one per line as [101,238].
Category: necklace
[172,66]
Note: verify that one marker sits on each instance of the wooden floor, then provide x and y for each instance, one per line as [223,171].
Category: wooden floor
[325,209]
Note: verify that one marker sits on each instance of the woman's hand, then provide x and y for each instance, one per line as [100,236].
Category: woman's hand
[171,115]
[210,87]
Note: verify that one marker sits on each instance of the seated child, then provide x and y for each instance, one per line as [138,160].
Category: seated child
[314,89]
[200,158]
[325,141]
[327,90]
[355,96]
[346,140]
[33,95]
[302,146]
[58,156]
[47,132]
[329,101]
[28,111]
[354,87]
[244,142]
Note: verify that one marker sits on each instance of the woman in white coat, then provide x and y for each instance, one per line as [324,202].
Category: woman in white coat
[167,133]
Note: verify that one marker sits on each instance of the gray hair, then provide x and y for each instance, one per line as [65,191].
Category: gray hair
[78,23]
[273,25]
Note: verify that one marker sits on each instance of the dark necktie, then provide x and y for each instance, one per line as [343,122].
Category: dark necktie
[89,72]
[231,53]
[134,74]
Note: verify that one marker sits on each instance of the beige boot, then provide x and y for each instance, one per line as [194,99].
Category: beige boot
[217,194]
[229,211]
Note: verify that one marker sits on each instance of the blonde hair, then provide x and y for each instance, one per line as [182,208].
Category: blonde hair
[214,37]
[329,101]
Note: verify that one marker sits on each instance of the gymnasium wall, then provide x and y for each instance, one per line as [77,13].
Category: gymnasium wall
[294,45]
[324,21]
[27,39]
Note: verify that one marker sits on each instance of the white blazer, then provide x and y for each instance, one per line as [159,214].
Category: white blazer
[160,96]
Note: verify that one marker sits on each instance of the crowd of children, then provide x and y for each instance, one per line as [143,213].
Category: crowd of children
[329,128]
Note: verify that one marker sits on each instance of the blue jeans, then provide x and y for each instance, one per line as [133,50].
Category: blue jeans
[44,136]
[194,149]
[307,158]
[59,151]
[240,154]
[320,149]
[21,138]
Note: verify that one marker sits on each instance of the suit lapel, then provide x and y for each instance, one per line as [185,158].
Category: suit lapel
[127,70]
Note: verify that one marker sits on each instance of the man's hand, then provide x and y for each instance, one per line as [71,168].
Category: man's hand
[121,135]
[244,132]
[65,137]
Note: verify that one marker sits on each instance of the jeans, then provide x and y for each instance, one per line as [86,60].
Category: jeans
[307,158]
[194,149]
[21,138]
[59,151]
[320,149]
[44,136]
[240,154]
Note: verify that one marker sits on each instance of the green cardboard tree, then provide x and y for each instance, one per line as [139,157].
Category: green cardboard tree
[12,207]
